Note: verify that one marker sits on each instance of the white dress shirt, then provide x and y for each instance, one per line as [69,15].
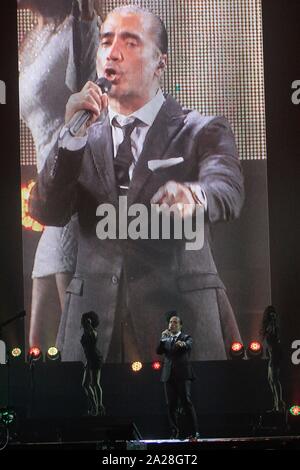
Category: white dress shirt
[146,115]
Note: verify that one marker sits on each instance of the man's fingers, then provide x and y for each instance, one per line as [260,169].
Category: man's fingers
[90,104]
[177,196]
[156,199]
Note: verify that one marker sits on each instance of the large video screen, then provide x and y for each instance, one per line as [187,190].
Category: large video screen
[203,137]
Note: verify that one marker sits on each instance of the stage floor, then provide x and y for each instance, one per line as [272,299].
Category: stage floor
[180,448]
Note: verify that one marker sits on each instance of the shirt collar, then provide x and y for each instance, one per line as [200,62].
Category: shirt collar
[177,334]
[146,113]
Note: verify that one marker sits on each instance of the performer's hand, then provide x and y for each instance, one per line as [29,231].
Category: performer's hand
[177,195]
[180,344]
[90,98]
[166,333]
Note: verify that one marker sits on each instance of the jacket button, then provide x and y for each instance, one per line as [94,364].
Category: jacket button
[114,279]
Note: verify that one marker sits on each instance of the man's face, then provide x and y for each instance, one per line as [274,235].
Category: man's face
[174,325]
[128,57]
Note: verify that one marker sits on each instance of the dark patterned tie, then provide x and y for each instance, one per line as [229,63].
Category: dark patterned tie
[124,157]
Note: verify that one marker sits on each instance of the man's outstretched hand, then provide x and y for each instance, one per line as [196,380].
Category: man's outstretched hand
[177,195]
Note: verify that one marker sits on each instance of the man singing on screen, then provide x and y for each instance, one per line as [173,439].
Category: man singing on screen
[145,147]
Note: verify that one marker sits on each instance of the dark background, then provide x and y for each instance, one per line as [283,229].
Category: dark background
[11,266]
[282,67]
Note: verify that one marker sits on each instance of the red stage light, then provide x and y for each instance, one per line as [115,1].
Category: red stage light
[34,353]
[295,410]
[237,350]
[236,347]
[255,349]
[255,346]
[156,365]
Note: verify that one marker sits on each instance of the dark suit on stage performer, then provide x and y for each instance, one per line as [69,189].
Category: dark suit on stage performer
[180,158]
[177,374]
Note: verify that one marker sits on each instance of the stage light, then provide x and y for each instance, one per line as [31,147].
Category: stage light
[7,416]
[295,410]
[16,353]
[237,350]
[156,365]
[34,354]
[136,366]
[53,354]
[255,349]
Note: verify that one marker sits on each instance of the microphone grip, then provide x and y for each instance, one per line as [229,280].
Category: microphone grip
[78,120]
[81,117]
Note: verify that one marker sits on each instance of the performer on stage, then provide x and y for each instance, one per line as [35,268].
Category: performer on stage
[177,374]
[270,333]
[92,372]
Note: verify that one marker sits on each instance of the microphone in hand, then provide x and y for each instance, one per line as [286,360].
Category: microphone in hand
[166,334]
[81,117]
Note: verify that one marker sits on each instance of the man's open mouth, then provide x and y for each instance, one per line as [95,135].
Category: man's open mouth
[111,74]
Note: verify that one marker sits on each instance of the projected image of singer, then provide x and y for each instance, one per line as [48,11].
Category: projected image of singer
[129,282]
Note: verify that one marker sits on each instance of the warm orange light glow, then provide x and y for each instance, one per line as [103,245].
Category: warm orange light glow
[136,366]
[27,221]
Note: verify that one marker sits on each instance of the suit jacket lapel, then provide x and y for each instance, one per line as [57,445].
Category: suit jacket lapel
[102,151]
[166,125]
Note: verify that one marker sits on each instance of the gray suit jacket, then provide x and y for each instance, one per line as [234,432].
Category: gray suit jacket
[161,274]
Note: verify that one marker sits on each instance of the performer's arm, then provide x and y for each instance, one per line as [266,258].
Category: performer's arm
[185,345]
[220,186]
[53,199]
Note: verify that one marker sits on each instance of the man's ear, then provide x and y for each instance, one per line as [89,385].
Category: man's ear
[162,64]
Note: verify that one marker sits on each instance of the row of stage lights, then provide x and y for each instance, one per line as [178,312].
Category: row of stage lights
[35,354]
[254,350]
[237,351]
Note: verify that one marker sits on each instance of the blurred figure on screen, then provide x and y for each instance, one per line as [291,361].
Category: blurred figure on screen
[92,372]
[270,333]
[148,149]
[56,58]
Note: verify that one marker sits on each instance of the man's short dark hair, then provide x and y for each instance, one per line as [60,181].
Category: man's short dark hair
[172,313]
[158,27]
[92,316]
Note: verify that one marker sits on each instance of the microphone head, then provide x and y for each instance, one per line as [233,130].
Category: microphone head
[104,84]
